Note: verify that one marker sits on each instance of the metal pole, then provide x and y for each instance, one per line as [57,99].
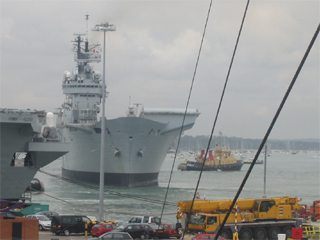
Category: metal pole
[103,27]
[265,172]
[102,131]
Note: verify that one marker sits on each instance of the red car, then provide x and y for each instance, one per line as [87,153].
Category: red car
[206,236]
[102,228]
[170,229]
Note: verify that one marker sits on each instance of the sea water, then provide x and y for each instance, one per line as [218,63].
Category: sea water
[294,175]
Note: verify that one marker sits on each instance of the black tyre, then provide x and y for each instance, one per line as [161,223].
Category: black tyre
[260,233]
[40,228]
[226,234]
[177,237]
[143,237]
[273,233]
[66,232]
[245,234]
[287,231]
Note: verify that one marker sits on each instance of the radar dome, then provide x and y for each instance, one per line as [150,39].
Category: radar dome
[97,75]
[67,74]
[50,119]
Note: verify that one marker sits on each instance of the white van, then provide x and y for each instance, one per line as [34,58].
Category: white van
[145,219]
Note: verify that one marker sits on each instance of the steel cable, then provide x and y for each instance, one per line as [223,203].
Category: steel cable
[185,113]
[107,191]
[217,113]
[270,127]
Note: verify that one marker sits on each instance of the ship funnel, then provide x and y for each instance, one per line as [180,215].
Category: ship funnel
[201,154]
[50,119]
[210,155]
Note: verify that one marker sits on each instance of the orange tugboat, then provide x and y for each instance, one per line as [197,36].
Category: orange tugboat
[219,159]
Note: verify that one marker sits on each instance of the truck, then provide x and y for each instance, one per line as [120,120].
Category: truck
[258,218]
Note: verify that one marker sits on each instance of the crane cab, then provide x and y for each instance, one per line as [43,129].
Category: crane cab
[267,209]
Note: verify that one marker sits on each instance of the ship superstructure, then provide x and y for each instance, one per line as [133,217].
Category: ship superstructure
[135,145]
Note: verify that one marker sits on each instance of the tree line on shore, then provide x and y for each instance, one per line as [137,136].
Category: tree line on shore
[201,142]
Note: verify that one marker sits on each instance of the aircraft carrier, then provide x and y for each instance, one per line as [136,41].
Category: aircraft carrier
[25,148]
[135,145]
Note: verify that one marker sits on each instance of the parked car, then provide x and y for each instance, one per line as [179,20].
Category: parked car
[155,231]
[67,224]
[206,236]
[49,214]
[171,230]
[8,214]
[44,221]
[114,236]
[101,228]
[145,219]
[119,222]
[134,229]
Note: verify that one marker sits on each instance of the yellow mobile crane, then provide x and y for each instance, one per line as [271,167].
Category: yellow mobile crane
[258,218]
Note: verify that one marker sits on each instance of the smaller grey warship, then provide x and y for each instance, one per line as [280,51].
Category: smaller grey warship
[25,148]
[135,145]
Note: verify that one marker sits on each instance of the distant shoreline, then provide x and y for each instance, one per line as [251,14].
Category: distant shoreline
[234,143]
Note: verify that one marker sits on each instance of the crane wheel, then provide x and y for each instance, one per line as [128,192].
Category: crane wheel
[273,233]
[226,234]
[287,231]
[245,234]
[260,234]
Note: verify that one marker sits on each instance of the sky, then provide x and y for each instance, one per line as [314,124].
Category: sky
[151,59]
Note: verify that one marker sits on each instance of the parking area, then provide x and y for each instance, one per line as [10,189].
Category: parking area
[47,235]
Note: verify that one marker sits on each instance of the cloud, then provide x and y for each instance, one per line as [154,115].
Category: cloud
[152,55]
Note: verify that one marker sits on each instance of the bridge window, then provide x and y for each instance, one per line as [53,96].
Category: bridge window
[256,205]
[211,220]
[197,219]
[266,205]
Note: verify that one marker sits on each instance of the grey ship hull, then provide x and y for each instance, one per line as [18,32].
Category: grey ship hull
[114,179]
[18,131]
[135,148]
